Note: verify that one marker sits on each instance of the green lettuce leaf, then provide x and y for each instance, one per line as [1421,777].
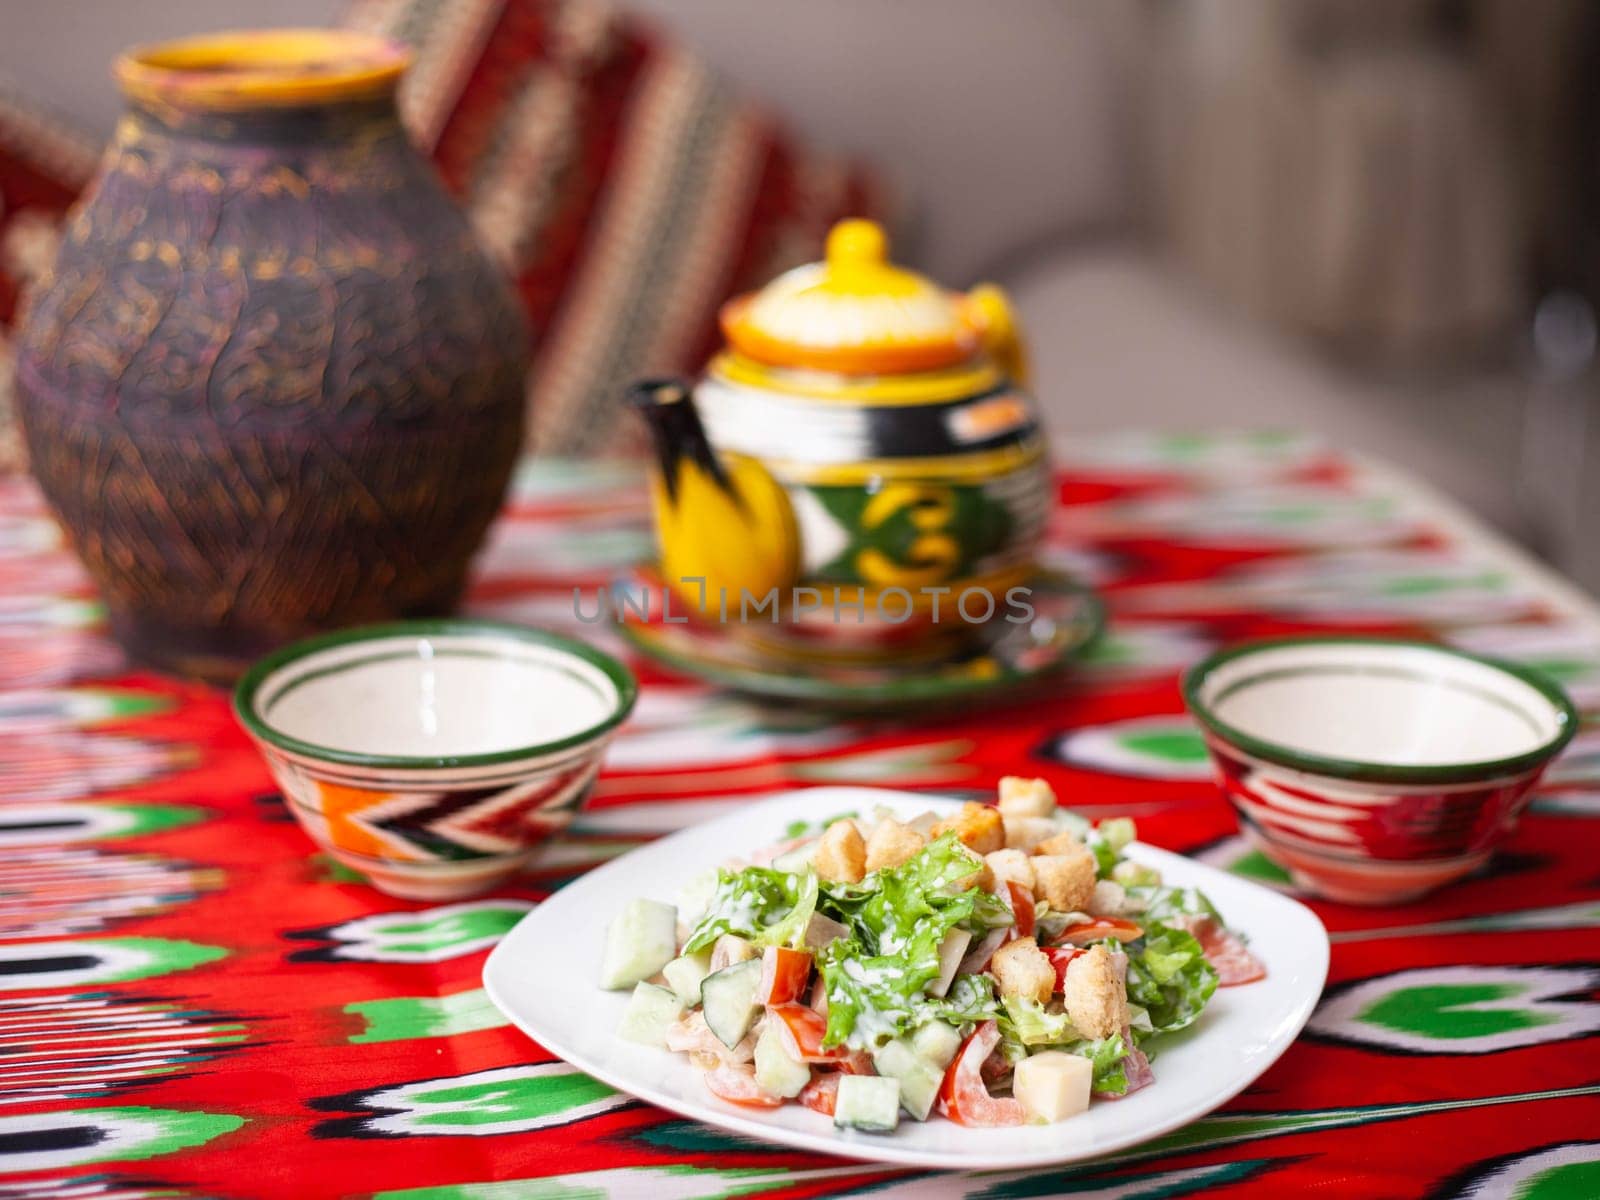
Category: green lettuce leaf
[770,908]
[800,829]
[917,902]
[969,1001]
[1108,1056]
[1029,1022]
[1164,903]
[1169,977]
[871,998]
[876,978]
[1027,1026]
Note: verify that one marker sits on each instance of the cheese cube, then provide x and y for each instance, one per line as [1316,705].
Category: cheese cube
[1053,1086]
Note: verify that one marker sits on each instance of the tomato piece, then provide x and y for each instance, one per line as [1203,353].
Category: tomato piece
[1059,957]
[857,1062]
[806,1028]
[1102,927]
[784,973]
[739,1087]
[1021,908]
[963,1097]
[822,1093]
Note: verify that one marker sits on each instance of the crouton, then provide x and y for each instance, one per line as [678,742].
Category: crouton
[1012,866]
[1021,797]
[1065,881]
[1095,994]
[981,877]
[1059,843]
[978,826]
[891,844]
[841,855]
[1022,969]
[1024,833]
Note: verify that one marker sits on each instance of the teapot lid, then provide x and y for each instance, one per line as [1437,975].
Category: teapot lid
[855,313]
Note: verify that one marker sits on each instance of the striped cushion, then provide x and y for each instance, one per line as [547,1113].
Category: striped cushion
[44,163]
[625,188]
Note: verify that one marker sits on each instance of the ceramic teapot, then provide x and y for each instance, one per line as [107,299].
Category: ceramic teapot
[859,469]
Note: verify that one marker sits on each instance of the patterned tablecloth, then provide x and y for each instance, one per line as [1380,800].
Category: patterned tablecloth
[193,1002]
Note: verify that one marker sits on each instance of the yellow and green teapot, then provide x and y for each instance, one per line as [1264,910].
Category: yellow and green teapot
[859,469]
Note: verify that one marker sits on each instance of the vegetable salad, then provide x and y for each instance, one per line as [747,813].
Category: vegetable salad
[1000,965]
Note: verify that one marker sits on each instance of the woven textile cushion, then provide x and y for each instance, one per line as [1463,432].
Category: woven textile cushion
[44,163]
[625,188]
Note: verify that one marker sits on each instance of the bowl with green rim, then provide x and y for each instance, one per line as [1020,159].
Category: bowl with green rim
[1374,770]
[433,757]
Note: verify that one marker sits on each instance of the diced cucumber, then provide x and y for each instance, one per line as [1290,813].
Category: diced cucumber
[918,1078]
[729,997]
[686,973]
[1131,874]
[951,951]
[776,1072]
[641,939]
[651,1011]
[1071,822]
[797,860]
[867,1102]
[1118,832]
[936,1042]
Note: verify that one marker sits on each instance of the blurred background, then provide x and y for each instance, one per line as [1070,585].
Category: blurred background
[1373,220]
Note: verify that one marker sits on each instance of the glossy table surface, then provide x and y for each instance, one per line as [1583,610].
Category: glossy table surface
[194,1003]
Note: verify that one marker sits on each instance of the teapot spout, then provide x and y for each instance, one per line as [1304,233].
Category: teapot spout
[667,406]
[724,525]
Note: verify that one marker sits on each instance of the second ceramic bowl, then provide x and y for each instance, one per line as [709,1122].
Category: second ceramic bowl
[1375,770]
[434,756]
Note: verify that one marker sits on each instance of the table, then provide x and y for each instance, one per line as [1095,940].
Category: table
[194,1002]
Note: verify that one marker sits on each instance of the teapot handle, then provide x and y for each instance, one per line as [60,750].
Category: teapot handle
[997,326]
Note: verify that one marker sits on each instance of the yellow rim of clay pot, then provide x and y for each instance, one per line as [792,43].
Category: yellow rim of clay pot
[264,68]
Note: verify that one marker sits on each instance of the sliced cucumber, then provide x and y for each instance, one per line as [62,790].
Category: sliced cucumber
[650,1013]
[867,1102]
[797,860]
[641,940]
[775,1070]
[936,1042]
[686,973]
[951,951]
[1070,821]
[918,1078]
[729,997]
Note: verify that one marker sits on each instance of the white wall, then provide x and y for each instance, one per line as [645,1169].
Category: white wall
[999,123]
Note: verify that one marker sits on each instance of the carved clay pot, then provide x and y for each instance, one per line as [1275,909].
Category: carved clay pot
[272,384]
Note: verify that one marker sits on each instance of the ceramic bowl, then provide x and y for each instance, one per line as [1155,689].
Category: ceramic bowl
[434,756]
[1375,770]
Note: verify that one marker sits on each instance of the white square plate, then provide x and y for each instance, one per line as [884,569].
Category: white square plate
[542,976]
